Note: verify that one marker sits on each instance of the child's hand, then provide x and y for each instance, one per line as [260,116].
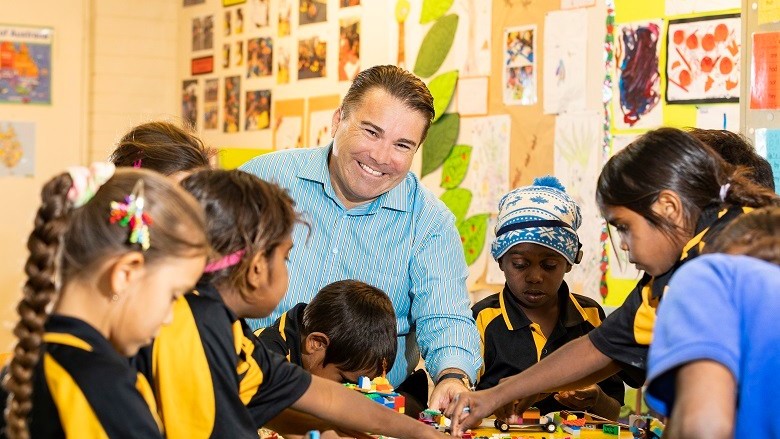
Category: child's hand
[468,409]
[513,411]
[580,399]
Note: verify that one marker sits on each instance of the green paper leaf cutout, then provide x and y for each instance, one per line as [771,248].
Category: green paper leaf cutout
[435,46]
[433,9]
[454,170]
[438,144]
[442,88]
[458,201]
[472,234]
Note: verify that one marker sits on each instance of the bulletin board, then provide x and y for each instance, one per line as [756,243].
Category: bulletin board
[761,17]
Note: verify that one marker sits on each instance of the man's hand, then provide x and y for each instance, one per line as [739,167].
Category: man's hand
[444,393]
[580,399]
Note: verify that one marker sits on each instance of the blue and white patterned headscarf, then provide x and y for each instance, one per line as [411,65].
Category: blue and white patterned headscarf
[540,214]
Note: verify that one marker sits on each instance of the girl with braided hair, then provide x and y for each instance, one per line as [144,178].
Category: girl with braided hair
[109,253]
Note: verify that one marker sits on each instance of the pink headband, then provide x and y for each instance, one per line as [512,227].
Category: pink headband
[224,262]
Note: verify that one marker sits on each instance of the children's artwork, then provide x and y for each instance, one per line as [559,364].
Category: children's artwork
[620,141]
[680,7]
[203,33]
[285,15]
[231,122]
[577,152]
[283,53]
[189,102]
[312,11]
[564,58]
[211,104]
[311,58]
[257,10]
[239,56]
[488,172]
[702,59]
[472,96]
[718,117]
[765,71]
[228,23]
[768,146]
[258,110]
[319,127]
[637,96]
[349,48]
[288,132]
[25,65]
[471,44]
[260,57]
[226,55]
[519,73]
[17,149]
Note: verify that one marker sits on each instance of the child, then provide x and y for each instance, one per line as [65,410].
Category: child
[714,359]
[536,244]
[207,365]
[112,259]
[667,194]
[736,150]
[162,147]
[345,317]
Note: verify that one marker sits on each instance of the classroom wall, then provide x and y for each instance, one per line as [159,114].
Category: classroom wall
[113,65]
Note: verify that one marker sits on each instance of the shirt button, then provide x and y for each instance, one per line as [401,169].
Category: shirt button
[335,250]
[544,351]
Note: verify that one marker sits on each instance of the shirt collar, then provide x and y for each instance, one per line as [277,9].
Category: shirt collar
[316,170]
[515,318]
[206,289]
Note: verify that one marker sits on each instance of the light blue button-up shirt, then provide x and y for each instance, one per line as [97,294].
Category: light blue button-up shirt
[404,242]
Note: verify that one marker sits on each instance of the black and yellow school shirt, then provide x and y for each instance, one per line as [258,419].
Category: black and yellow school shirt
[284,336]
[626,334]
[511,342]
[83,388]
[212,377]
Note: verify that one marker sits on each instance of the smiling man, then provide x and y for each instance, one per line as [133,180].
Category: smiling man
[369,218]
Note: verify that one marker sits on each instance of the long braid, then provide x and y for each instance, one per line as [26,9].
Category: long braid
[744,192]
[51,221]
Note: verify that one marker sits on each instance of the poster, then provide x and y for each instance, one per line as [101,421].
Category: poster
[258,13]
[519,73]
[768,146]
[564,59]
[283,53]
[702,59]
[285,15]
[258,110]
[765,72]
[637,97]
[260,57]
[211,104]
[17,149]
[189,102]
[312,57]
[319,127]
[25,64]
[203,33]
[349,48]
[768,11]
[288,132]
[232,121]
[312,11]
[578,162]
[488,173]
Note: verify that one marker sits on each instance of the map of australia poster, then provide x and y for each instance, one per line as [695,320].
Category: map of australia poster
[25,65]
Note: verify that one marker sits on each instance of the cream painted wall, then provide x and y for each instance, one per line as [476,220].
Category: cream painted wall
[59,135]
[113,66]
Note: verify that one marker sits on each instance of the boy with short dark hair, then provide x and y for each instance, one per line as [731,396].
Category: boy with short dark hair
[348,330]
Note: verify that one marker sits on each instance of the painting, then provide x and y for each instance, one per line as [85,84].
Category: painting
[638,80]
[519,72]
[703,60]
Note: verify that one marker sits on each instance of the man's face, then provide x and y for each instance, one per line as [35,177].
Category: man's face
[373,147]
